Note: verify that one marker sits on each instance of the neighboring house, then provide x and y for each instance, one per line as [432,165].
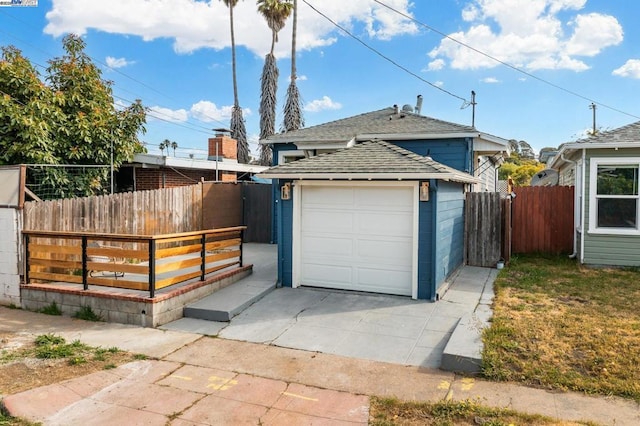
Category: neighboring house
[148,171]
[372,217]
[605,170]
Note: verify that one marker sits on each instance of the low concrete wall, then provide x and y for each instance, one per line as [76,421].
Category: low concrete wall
[126,308]
[10,246]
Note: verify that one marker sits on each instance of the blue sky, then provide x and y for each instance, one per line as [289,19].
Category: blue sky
[174,55]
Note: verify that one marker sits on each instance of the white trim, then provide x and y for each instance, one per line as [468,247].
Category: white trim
[297,220]
[593,176]
[456,177]
[297,153]
[227,165]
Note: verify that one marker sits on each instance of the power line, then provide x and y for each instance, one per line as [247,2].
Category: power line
[384,56]
[506,64]
[22,22]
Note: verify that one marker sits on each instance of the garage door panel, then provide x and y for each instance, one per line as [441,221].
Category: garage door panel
[377,280]
[393,254]
[389,198]
[357,238]
[327,246]
[332,276]
[328,196]
[383,223]
[323,220]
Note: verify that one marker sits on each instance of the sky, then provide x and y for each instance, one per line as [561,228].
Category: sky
[536,66]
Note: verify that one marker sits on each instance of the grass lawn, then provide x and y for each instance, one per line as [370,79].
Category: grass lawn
[558,325]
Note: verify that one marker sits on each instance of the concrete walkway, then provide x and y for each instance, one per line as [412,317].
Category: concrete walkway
[360,325]
[195,379]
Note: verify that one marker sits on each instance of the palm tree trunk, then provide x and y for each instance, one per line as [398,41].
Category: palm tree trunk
[236,102]
[293,40]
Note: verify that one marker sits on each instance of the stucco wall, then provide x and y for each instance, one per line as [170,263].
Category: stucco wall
[9,256]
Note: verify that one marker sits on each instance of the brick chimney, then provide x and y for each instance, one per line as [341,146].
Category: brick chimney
[226,147]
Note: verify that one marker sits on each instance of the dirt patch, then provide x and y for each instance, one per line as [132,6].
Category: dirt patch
[22,368]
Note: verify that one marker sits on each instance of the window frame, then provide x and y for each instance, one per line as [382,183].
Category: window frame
[595,162]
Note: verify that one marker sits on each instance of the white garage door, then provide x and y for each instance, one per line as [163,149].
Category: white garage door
[357,238]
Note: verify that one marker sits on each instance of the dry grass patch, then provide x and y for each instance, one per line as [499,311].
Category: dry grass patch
[385,411]
[559,325]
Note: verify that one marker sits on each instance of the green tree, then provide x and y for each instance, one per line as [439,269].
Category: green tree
[275,12]
[70,120]
[238,128]
[293,116]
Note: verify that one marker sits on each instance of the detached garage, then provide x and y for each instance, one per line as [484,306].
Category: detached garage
[374,217]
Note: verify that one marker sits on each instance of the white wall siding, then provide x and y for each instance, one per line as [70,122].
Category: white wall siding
[9,256]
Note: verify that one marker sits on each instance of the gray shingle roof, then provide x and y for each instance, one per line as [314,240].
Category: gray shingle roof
[368,160]
[382,122]
[624,134]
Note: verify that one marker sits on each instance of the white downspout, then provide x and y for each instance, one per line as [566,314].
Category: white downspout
[575,229]
[584,172]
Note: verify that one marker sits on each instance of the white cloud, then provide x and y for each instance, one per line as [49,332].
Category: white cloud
[322,104]
[117,62]
[205,24]
[166,114]
[631,68]
[490,80]
[436,65]
[528,34]
[208,111]
[438,83]
[594,32]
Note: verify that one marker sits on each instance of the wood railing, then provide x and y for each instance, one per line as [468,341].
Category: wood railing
[136,262]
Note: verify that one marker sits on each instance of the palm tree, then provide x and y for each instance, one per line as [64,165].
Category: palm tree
[293,117]
[275,12]
[238,129]
[174,145]
[165,144]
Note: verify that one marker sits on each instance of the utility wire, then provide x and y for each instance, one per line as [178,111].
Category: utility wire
[506,64]
[384,56]
[22,22]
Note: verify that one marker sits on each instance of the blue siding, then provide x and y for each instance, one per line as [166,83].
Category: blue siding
[275,222]
[285,238]
[451,152]
[449,238]
[426,287]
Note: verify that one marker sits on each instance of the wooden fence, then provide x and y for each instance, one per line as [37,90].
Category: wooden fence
[209,205]
[483,228]
[542,219]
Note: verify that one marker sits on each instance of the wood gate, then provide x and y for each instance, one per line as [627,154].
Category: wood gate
[483,228]
[542,219]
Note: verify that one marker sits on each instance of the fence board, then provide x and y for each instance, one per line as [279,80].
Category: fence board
[162,211]
[543,219]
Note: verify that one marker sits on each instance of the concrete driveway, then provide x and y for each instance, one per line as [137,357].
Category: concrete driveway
[374,327]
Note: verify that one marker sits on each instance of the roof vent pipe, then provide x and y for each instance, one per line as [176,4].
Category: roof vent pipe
[419,104]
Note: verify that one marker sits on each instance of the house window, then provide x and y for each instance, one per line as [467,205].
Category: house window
[614,201]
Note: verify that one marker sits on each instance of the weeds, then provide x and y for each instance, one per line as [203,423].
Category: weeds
[390,411]
[87,314]
[51,309]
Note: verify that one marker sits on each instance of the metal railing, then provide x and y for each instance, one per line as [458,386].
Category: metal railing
[134,262]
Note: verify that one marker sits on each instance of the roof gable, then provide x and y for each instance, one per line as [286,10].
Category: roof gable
[383,122]
[368,160]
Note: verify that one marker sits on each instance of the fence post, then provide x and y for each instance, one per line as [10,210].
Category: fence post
[85,285]
[26,258]
[203,256]
[241,248]
[152,268]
